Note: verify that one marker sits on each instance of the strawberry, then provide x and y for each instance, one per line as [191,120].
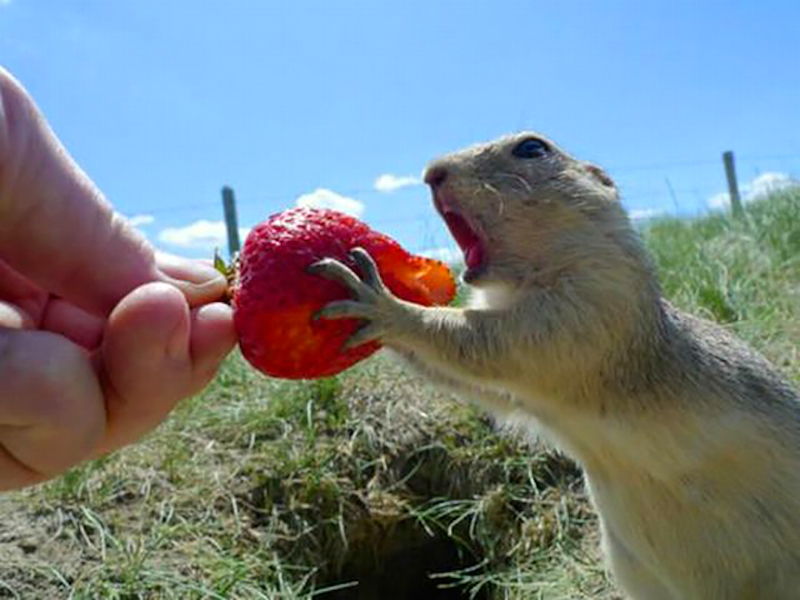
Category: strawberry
[275,298]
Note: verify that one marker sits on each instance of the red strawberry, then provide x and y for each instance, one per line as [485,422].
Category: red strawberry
[274,298]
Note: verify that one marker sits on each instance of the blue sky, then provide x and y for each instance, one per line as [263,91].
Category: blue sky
[164,101]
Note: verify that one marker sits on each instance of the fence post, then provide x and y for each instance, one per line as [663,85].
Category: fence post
[231,222]
[733,186]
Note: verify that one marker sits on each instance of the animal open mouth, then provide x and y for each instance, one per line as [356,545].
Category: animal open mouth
[465,235]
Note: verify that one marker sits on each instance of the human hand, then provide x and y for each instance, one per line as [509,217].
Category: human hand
[99,337]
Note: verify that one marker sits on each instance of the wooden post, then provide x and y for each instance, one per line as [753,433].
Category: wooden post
[231,222]
[733,186]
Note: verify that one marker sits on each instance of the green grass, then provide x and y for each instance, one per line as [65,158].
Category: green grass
[266,489]
[744,273]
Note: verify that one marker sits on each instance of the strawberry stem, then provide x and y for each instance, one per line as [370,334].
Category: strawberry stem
[229,270]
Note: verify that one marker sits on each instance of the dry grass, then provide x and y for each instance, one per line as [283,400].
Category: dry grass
[262,489]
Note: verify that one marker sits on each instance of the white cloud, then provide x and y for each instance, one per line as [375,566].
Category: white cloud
[448,255]
[766,183]
[391,183]
[322,198]
[758,187]
[138,220]
[642,214]
[200,234]
[719,201]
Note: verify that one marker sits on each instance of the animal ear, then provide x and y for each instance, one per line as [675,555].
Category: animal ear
[599,175]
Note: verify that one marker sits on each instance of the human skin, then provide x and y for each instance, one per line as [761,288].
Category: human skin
[100,337]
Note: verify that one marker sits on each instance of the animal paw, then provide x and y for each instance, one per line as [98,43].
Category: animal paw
[371,302]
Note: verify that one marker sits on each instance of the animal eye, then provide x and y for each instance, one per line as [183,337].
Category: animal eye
[530,148]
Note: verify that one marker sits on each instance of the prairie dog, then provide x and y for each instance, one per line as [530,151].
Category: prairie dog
[689,440]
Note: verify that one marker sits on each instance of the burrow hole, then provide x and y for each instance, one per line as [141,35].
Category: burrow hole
[409,566]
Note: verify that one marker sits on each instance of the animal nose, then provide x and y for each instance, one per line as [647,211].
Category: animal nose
[435,176]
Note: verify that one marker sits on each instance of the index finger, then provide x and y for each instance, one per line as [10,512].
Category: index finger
[55,225]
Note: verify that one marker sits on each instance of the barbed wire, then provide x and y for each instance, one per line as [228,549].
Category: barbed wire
[634,197]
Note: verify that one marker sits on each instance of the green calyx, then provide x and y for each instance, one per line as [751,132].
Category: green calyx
[229,270]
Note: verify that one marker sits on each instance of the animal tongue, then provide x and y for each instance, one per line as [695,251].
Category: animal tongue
[466,238]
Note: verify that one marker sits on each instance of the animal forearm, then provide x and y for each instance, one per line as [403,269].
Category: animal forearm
[473,344]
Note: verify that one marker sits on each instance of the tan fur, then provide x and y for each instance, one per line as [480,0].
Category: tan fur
[689,440]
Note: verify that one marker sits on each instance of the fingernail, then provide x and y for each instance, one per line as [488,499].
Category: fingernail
[199,281]
[191,271]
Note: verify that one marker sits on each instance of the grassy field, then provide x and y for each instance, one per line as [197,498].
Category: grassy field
[265,489]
